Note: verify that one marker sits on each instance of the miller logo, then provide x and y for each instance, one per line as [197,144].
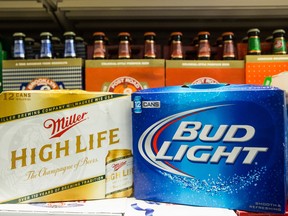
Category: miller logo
[60,126]
[117,166]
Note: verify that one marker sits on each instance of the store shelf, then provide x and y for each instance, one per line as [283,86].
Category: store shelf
[86,16]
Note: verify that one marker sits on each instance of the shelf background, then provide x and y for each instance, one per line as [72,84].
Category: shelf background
[163,17]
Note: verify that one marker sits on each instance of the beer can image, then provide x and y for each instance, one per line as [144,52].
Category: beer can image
[212,145]
[119,173]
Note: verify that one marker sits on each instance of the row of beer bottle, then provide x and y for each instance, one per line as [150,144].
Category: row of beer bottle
[22,48]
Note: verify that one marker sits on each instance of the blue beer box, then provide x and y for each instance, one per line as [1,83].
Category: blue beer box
[213,145]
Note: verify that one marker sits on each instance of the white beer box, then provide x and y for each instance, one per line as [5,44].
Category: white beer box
[54,146]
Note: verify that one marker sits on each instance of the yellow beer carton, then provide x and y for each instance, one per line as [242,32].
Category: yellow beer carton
[54,146]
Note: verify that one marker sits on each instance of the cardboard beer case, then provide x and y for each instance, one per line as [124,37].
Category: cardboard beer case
[124,76]
[180,72]
[211,145]
[258,67]
[43,74]
[55,145]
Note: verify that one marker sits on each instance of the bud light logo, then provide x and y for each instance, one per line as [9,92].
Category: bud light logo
[176,142]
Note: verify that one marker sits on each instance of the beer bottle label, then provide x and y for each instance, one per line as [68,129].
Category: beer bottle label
[124,50]
[228,49]
[176,50]
[254,45]
[204,49]
[99,49]
[69,49]
[19,51]
[45,51]
[279,46]
[149,49]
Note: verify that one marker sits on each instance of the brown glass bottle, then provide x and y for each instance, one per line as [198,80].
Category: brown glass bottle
[124,49]
[204,50]
[176,49]
[99,45]
[149,45]
[228,46]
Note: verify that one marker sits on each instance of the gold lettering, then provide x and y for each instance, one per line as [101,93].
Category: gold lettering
[113,135]
[33,155]
[100,138]
[59,149]
[91,141]
[22,157]
[78,145]
[41,153]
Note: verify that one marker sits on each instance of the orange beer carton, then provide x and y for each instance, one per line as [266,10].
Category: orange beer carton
[258,67]
[124,76]
[64,145]
[202,71]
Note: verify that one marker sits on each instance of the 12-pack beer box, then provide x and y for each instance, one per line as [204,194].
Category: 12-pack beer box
[64,145]
[42,74]
[124,75]
[203,72]
[212,145]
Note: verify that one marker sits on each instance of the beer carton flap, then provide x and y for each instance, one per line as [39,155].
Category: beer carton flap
[207,88]
[13,102]
[205,64]
[124,63]
[266,58]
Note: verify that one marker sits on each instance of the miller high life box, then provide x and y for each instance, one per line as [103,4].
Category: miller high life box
[64,145]
[211,145]
[203,72]
[43,74]
[124,76]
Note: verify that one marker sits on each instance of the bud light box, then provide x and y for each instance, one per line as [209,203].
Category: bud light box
[212,145]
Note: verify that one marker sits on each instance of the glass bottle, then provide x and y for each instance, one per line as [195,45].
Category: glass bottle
[279,42]
[99,45]
[228,46]
[69,45]
[29,48]
[204,50]
[149,45]
[254,44]
[176,48]
[19,45]
[46,45]
[124,49]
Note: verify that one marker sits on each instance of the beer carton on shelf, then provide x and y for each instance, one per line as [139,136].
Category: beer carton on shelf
[258,67]
[124,76]
[202,72]
[211,145]
[43,74]
[62,145]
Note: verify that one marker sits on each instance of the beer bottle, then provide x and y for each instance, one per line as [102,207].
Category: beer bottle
[228,46]
[46,47]
[279,42]
[204,50]
[19,45]
[254,44]
[57,47]
[69,45]
[99,45]
[29,48]
[176,48]
[149,45]
[124,49]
